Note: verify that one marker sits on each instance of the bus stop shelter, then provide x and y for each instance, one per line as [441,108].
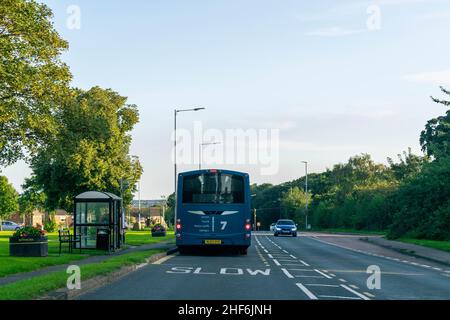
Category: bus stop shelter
[98,220]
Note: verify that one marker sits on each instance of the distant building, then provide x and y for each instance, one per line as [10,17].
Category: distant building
[148,203]
[152,211]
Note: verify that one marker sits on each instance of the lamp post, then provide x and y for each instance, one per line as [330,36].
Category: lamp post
[306,193]
[175,112]
[200,152]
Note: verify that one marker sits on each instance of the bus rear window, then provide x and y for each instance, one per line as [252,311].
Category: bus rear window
[215,188]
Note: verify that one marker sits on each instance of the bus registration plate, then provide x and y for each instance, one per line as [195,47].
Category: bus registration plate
[213,241]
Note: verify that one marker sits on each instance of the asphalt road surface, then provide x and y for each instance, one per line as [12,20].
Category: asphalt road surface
[286,268]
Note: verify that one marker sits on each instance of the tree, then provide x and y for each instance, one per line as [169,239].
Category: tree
[90,150]
[8,199]
[435,139]
[409,164]
[33,79]
[31,199]
[293,202]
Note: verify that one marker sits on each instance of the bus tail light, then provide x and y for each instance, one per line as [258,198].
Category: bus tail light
[248,226]
[178,226]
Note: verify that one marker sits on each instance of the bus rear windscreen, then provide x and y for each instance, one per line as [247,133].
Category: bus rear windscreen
[213,188]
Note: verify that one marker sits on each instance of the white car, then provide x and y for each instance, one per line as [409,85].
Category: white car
[272,227]
[10,226]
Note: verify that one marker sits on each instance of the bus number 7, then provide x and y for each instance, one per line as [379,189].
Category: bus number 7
[224,224]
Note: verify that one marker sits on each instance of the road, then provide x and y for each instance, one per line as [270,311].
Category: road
[286,268]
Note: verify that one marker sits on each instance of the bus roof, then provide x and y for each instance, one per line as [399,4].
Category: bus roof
[188,173]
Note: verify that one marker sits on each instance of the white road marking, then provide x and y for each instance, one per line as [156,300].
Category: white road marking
[276,262]
[306,291]
[285,251]
[323,274]
[270,256]
[353,286]
[321,285]
[339,297]
[293,257]
[342,280]
[354,292]
[369,294]
[304,263]
[287,273]
[316,277]
[164,259]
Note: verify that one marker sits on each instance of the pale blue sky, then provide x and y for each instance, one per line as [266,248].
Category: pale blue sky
[310,68]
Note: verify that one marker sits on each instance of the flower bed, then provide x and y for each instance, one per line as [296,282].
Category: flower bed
[28,242]
[158,230]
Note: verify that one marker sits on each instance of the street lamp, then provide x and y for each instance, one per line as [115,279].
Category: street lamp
[200,152]
[175,112]
[306,193]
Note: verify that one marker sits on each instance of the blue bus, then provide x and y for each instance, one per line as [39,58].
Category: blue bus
[213,210]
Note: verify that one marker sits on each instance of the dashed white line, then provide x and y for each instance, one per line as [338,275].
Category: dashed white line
[293,257]
[342,280]
[339,297]
[304,263]
[276,262]
[321,285]
[270,256]
[306,291]
[287,273]
[323,274]
[355,292]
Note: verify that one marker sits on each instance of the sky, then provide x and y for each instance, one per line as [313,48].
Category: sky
[332,78]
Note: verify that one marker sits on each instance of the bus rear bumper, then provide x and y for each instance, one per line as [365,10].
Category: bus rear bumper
[241,240]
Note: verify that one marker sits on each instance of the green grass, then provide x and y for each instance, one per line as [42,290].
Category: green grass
[12,265]
[138,238]
[352,231]
[40,285]
[440,245]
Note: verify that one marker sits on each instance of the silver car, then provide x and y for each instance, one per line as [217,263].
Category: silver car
[10,226]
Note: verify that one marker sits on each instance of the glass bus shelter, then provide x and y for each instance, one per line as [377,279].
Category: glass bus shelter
[98,220]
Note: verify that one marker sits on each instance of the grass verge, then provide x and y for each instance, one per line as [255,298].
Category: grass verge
[38,286]
[435,244]
[13,265]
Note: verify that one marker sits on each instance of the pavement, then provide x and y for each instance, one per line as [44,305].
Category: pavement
[309,267]
[89,260]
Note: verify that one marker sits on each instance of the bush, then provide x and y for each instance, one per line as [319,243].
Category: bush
[50,225]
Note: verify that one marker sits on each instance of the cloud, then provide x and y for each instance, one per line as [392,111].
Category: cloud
[334,32]
[436,77]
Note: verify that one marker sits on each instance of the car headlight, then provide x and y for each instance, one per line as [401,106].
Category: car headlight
[294,229]
[278,229]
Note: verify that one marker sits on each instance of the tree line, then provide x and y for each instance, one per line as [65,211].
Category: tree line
[73,139]
[408,197]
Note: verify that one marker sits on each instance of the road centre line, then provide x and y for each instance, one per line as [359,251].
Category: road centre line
[315,277]
[355,292]
[323,274]
[306,291]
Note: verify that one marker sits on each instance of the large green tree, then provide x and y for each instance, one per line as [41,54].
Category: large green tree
[90,150]
[33,79]
[8,199]
[435,139]
[32,198]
